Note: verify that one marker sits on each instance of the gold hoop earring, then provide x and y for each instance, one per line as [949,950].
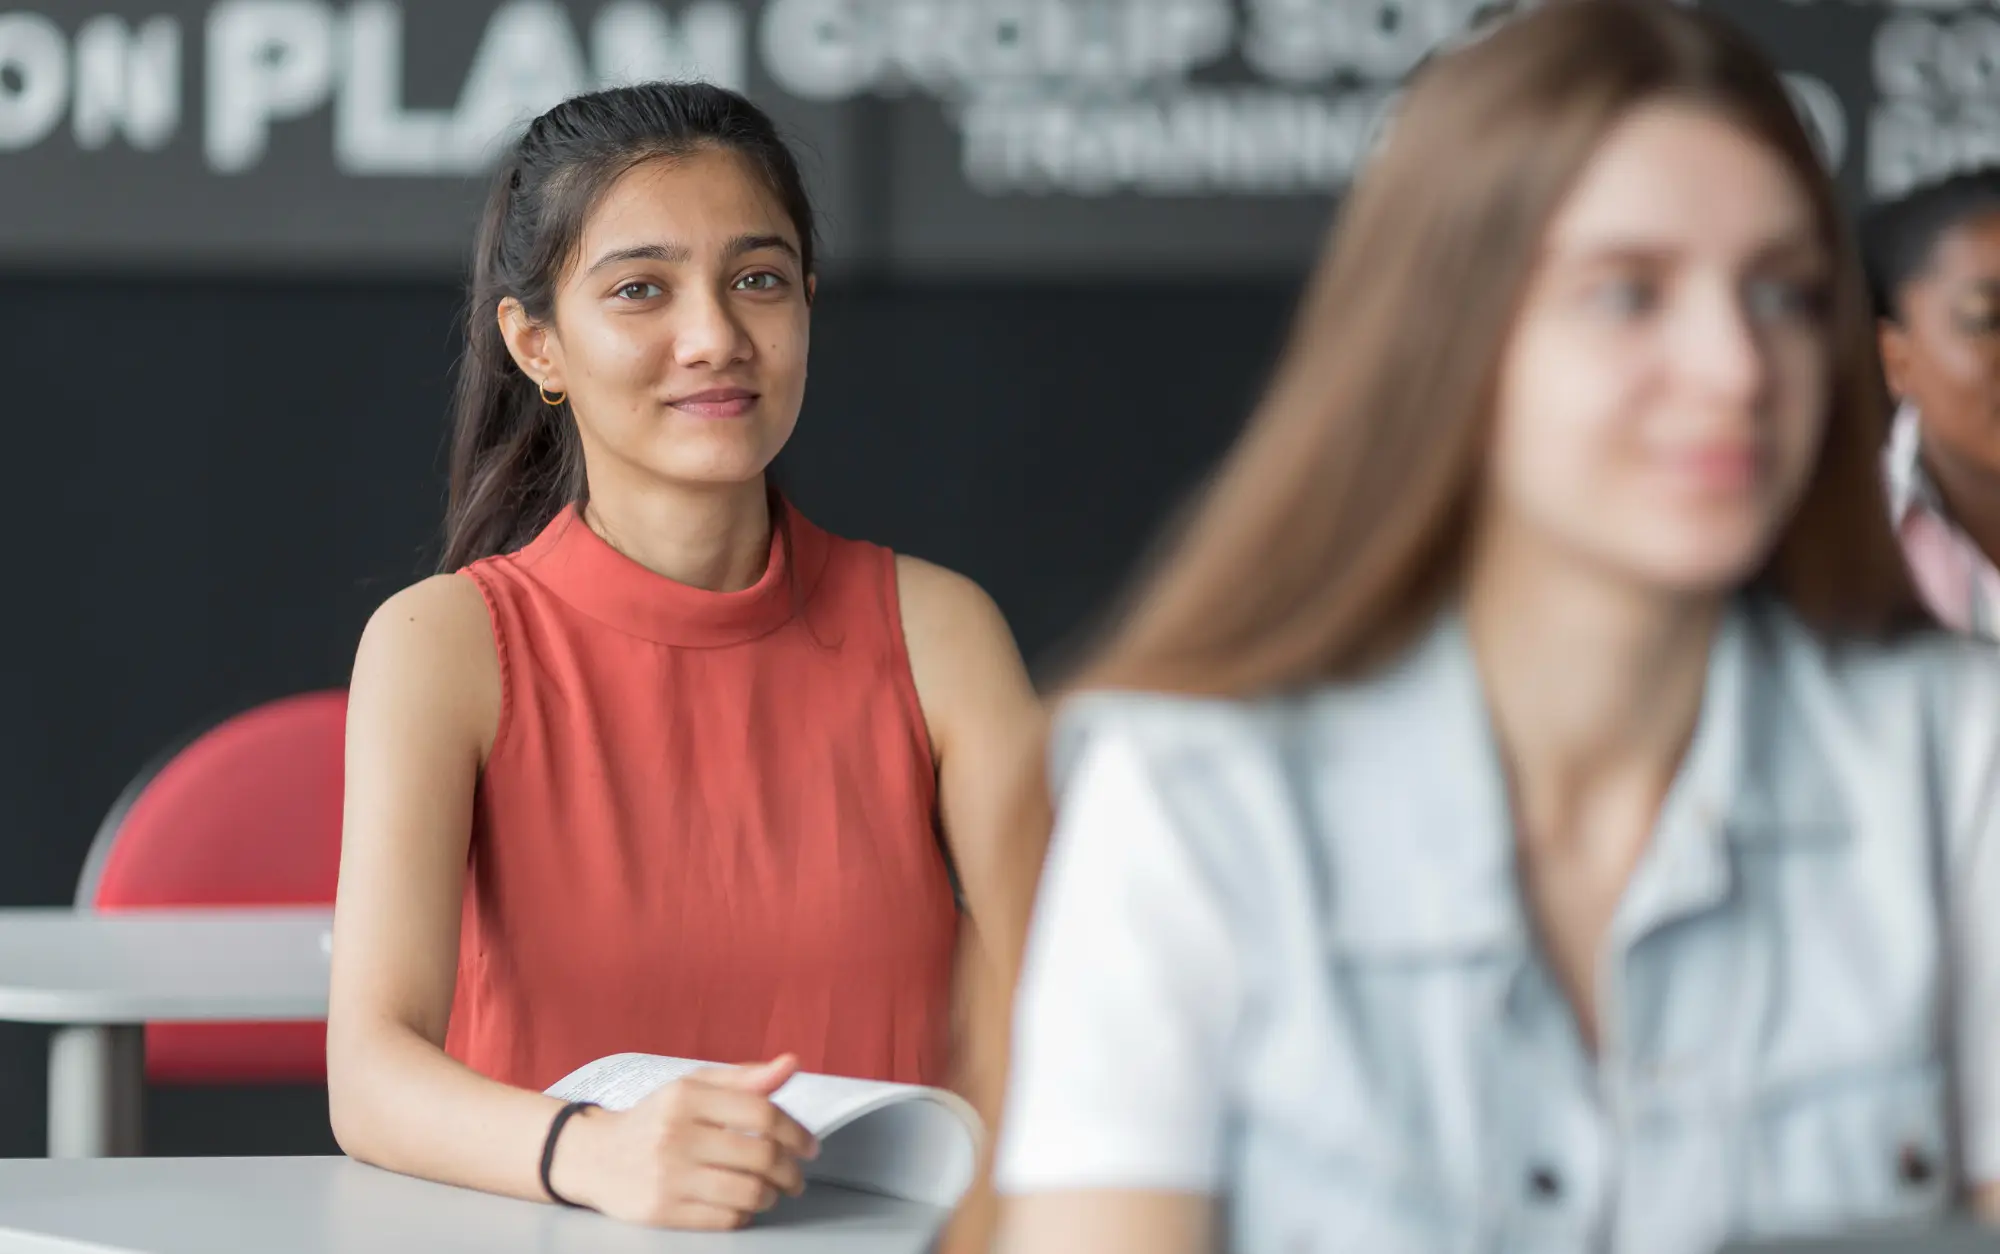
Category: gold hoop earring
[557,399]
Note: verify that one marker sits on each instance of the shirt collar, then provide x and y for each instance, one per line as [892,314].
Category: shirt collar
[1909,485]
[1437,871]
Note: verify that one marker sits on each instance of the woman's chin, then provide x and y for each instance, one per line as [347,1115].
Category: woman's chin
[714,461]
[713,455]
[1701,571]
[710,474]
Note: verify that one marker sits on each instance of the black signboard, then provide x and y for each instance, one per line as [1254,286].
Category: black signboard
[943,137]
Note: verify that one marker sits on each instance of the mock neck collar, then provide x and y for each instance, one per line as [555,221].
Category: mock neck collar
[581,568]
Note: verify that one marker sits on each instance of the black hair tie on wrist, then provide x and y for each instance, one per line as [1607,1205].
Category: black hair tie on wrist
[549,1151]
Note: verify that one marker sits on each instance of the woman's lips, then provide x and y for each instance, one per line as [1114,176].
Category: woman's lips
[1726,469]
[716,403]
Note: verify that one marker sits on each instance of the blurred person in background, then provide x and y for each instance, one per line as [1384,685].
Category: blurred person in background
[661,767]
[1530,808]
[1934,263]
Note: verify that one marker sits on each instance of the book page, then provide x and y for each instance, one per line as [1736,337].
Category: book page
[622,1081]
[824,1103]
[919,1149]
[902,1140]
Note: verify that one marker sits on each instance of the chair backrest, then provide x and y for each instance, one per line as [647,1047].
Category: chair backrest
[246,813]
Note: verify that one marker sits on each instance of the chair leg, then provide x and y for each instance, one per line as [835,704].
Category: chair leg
[97,1091]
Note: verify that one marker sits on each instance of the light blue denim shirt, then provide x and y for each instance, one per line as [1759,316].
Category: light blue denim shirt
[1281,955]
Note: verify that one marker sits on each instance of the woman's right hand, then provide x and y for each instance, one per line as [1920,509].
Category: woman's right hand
[709,1151]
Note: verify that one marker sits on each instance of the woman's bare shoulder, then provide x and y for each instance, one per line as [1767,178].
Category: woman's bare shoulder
[428,657]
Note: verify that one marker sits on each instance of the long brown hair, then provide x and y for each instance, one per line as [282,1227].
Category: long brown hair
[1338,525]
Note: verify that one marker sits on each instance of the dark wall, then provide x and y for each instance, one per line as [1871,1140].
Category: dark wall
[210,485]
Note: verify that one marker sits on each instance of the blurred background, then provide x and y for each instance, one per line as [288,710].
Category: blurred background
[1062,241]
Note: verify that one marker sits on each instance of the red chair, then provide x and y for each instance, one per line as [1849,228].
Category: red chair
[246,813]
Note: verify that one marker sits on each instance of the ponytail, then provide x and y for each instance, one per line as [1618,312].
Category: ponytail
[515,460]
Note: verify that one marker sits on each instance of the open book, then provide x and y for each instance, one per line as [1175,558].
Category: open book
[902,1140]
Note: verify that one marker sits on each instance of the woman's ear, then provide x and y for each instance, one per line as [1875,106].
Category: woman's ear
[533,346]
[1894,342]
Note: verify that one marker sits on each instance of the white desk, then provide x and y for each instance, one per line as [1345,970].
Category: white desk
[99,978]
[335,1206]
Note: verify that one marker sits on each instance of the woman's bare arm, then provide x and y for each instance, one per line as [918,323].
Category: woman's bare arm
[986,728]
[423,707]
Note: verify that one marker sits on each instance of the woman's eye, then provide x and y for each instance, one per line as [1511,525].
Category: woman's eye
[762,281]
[1978,319]
[1626,297]
[1776,300]
[638,290]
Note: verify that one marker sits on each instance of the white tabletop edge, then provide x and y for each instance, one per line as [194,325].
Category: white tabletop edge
[199,914]
[37,1243]
[63,1008]
[334,1205]
[31,993]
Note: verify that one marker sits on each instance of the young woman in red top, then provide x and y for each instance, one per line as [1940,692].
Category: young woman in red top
[661,766]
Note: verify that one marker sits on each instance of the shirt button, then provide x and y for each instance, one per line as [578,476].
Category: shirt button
[1544,1185]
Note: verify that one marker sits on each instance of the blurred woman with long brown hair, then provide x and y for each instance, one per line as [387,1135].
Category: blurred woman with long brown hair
[1528,809]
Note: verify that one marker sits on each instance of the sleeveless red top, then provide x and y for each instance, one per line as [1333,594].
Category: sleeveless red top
[706,828]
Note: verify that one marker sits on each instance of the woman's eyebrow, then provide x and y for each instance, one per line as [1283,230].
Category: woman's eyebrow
[674,254]
[680,254]
[755,243]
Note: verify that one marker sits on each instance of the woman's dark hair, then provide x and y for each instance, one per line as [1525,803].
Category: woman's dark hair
[1899,237]
[516,461]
